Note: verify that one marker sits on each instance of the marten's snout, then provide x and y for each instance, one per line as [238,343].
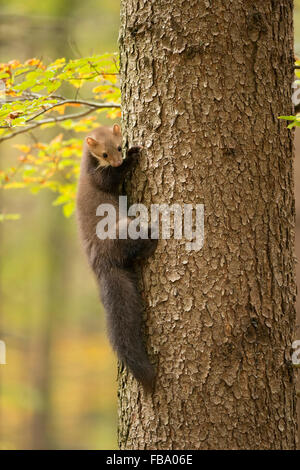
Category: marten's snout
[117,163]
[116,158]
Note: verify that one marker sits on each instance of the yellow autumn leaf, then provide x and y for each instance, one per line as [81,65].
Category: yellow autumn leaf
[57,139]
[58,63]
[99,89]
[23,148]
[112,78]
[76,83]
[14,185]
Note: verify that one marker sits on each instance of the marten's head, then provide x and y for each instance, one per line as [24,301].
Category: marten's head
[105,144]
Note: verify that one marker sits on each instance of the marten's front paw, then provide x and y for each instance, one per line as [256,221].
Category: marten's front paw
[150,248]
[134,152]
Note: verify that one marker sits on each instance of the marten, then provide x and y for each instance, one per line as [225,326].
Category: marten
[102,173]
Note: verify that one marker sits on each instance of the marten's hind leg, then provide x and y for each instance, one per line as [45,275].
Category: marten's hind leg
[140,248]
[135,248]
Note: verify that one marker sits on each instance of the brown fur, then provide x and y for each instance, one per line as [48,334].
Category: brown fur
[111,260]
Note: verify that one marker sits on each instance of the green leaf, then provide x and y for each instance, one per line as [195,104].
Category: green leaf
[287,118]
[4,217]
[68,209]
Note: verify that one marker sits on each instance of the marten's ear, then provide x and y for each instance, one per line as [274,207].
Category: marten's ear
[91,142]
[116,130]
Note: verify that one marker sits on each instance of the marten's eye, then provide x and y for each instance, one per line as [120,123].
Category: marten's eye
[119,149]
[104,155]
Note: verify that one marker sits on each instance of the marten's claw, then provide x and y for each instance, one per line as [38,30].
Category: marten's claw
[134,151]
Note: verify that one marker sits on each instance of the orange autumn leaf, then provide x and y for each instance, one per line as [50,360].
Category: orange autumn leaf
[61,109]
[10,93]
[40,146]
[14,64]
[15,114]
[35,62]
[23,148]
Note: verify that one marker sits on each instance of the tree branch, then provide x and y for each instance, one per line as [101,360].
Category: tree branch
[58,118]
[91,104]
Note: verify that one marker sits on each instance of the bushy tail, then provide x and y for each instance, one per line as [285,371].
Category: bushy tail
[123,305]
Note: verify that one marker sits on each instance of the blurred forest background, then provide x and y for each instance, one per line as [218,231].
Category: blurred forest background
[58,389]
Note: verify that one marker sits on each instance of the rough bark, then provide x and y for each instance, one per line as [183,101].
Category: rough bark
[203,84]
[297,250]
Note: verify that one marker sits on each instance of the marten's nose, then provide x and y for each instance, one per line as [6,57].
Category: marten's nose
[117,163]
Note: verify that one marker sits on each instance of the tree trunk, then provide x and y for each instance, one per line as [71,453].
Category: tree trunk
[203,84]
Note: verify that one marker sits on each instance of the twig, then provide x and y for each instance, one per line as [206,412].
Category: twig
[91,104]
[38,95]
[54,120]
